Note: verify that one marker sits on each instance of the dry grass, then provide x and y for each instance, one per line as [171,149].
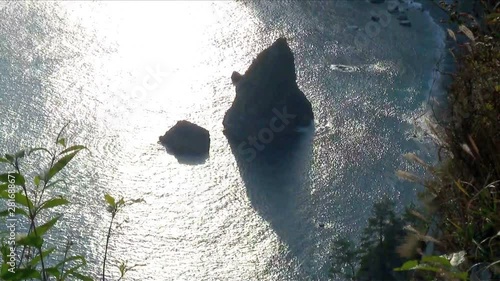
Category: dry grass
[463,192]
[464,189]
[468,197]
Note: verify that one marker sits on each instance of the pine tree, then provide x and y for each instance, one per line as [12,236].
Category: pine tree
[344,259]
[379,240]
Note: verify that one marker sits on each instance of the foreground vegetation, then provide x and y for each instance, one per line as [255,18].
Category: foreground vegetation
[455,234]
[28,197]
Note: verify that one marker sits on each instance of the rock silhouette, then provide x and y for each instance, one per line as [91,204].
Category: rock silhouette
[267,96]
[186,139]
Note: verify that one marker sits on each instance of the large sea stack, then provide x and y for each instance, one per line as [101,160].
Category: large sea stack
[267,97]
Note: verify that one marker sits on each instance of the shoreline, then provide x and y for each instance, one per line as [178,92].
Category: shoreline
[446,63]
[436,98]
[470,115]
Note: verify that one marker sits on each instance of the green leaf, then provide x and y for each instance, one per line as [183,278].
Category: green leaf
[56,182]
[53,203]
[72,148]
[437,259]
[19,154]
[59,165]
[37,259]
[42,229]
[62,141]
[8,177]
[409,265]
[38,149]
[23,200]
[110,199]
[53,271]
[21,274]
[427,267]
[121,202]
[138,200]
[4,187]
[4,160]
[71,271]
[72,258]
[18,211]
[461,275]
[60,132]
[4,269]
[493,17]
[81,277]
[19,198]
[36,180]
[9,157]
[31,240]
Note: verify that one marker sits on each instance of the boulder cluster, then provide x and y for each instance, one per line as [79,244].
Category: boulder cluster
[267,100]
[399,9]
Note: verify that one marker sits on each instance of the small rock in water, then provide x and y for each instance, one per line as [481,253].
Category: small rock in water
[405,23]
[392,7]
[322,225]
[402,17]
[375,18]
[186,138]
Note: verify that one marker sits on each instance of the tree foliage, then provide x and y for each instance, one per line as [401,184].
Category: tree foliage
[376,255]
[28,255]
[462,189]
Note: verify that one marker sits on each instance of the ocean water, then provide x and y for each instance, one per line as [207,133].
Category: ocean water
[122,73]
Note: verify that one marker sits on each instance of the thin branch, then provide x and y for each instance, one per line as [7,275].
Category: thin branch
[107,244]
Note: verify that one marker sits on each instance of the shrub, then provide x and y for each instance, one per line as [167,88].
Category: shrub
[25,253]
[462,193]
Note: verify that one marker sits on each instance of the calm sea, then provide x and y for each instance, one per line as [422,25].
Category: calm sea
[122,73]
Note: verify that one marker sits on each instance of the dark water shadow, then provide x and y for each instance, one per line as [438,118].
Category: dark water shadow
[276,183]
[187,159]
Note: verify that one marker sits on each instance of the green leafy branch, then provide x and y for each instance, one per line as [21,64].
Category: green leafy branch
[437,264]
[113,207]
[30,202]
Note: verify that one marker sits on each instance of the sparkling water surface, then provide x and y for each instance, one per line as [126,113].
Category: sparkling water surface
[122,73]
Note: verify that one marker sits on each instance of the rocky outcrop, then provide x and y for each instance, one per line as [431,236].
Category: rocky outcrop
[402,16]
[236,77]
[267,97]
[392,7]
[186,138]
